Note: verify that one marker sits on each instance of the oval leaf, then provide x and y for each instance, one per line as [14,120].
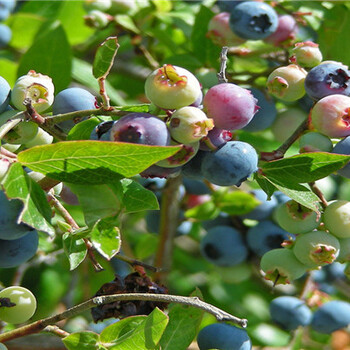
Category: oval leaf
[92,162]
[104,57]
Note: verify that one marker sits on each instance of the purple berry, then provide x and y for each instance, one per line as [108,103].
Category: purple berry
[231,164]
[141,128]
[326,79]
[286,29]
[230,106]
[253,20]
[216,137]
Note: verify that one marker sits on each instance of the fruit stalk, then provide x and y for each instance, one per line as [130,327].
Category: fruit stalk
[40,325]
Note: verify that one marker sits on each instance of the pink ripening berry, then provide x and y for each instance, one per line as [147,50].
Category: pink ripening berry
[230,106]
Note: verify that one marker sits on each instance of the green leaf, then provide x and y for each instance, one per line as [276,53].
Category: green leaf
[24,27]
[202,47]
[49,54]
[237,202]
[82,73]
[124,327]
[104,57]
[92,162]
[126,22]
[146,335]
[36,210]
[137,198]
[106,239]
[204,211]
[82,130]
[303,168]
[75,249]
[105,201]
[81,340]
[265,185]
[183,325]
[300,193]
[331,41]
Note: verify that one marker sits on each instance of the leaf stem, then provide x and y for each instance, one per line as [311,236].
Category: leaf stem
[40,325]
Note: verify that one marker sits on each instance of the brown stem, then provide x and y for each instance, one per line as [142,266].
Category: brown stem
[103,93]
[57,331]
[38,326]
[168,224]
[280,151]
[319,194]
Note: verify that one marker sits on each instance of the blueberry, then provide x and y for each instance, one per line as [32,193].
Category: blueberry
[71,100]
[265,115]
[223,336]
[263,210]
[6,7]
[195,186]
[102,131]
[343,147]
[5,35]
[253,20]
[290,312]
[328,79]
[192,169]
[331,316]
[223,246]
[10,211]
[266,236]
[15,252]
[217,138]
[227,5]
[141,128]
[231,164]
[5,91]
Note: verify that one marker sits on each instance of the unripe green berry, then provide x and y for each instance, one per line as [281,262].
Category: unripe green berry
[172,87]
[316,248]
[295,218]
[281,266]
[337,218]
[344,253]
[35,86]
[21,133]
[189,124]
[41,138]
[287,83]
[307,54]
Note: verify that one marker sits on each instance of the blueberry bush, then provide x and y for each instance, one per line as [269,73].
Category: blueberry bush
[174,175]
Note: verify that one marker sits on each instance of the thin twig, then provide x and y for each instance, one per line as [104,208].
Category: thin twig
[69,219]
[280,151]
[223,61]
[319,194]
[38,326]
[57,331]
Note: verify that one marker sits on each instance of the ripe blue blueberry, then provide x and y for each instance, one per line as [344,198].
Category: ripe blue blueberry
[141,128]
[195,186]
[253,20]
[5,91]
[6,7]
[331,316]
[231,164]
[223,246]
[343,147]
[5,35]
[266,236]
[10,211]
[15,252]
[224,337]
[290,312]
[265,115]
[73,99]
[263,210]
[328,79]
